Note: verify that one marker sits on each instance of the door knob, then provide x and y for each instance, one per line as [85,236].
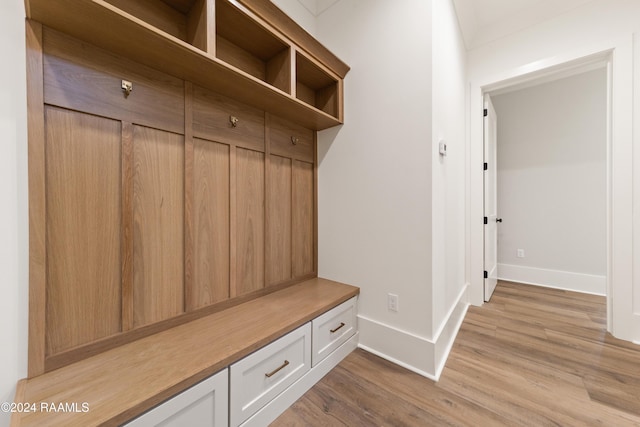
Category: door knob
[498,219]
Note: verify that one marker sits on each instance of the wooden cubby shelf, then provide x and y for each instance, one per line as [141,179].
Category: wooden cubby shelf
[315,86]
[246,45]
[217,44]
[183,19]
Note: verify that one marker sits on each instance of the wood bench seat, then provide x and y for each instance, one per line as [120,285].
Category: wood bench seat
[117,385]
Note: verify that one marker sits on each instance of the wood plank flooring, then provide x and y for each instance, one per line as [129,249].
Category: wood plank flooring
[531,357]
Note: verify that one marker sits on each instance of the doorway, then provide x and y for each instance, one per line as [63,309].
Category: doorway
[622,322]
[550,171]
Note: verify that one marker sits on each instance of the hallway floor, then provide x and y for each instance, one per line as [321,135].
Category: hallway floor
[531,357]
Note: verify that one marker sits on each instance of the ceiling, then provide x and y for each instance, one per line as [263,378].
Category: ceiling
[482,21]
[316,7]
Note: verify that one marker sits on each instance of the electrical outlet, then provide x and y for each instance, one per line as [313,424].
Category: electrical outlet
[520,253]
[392,302]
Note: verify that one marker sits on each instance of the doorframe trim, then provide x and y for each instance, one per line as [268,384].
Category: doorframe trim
[617,53]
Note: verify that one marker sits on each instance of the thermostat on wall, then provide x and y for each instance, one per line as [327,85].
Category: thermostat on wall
[443,148]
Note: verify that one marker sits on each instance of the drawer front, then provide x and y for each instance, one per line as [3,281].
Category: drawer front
[261,376]
[332,329]
[221,119]
[288,139]
[205,404]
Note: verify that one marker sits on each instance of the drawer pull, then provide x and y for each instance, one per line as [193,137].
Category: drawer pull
[338,328]
[234,121]
[275,371]
[294,140]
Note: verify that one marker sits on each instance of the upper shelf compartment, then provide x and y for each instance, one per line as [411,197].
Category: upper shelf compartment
[243,43]
[186,20]
[315,86]
[222,45]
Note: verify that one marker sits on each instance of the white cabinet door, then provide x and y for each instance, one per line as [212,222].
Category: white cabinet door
[261,376]
[332,329]
[203,405]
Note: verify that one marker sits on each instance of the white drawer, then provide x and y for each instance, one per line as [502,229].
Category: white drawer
[332,329]
[205,404]
[261,376]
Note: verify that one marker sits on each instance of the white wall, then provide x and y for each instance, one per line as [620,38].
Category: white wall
[597,26]
[552,183]
[448,175]
[391,211]
[374,186]
[13,211]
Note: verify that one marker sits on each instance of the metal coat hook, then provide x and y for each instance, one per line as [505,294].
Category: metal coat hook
[234,121]
[127,88]
[294,140]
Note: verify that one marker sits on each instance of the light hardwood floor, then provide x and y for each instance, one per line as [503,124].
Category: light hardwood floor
[531,357]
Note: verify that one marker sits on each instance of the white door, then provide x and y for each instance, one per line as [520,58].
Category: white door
[490,199]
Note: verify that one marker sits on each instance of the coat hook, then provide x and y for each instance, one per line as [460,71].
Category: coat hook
[234,121]
[294,140]
[127,88]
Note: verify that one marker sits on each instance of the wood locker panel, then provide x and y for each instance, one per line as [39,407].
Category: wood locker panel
[158,217]
[249,221]
[290,139]
[212,115]
[83,228]
[303,219]
[279,222]
[82,77]
[211,224]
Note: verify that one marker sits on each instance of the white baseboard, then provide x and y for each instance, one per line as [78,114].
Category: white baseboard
[284,400]
[449,330]
[398,362]
[421,355]
[565,280]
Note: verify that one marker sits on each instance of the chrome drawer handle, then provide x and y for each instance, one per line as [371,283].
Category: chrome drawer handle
[275,371]
[338,328]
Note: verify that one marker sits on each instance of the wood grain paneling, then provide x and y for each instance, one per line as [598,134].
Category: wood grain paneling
[236,26]
[158,214]
[201,26]
[166,264]
[303,219]
[211,224]
[127,226]
[240,58]
[83,228]
[211,113]
[82,77]
[279,226]
[281,132]
[157,13]
[37,199]
[181,5]
[249,212]
[279,71]
[189,196]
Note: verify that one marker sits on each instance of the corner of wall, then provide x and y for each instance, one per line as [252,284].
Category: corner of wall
[14,251]
[426,357]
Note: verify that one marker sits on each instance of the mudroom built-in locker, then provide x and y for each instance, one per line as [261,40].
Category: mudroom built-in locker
[173,208]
